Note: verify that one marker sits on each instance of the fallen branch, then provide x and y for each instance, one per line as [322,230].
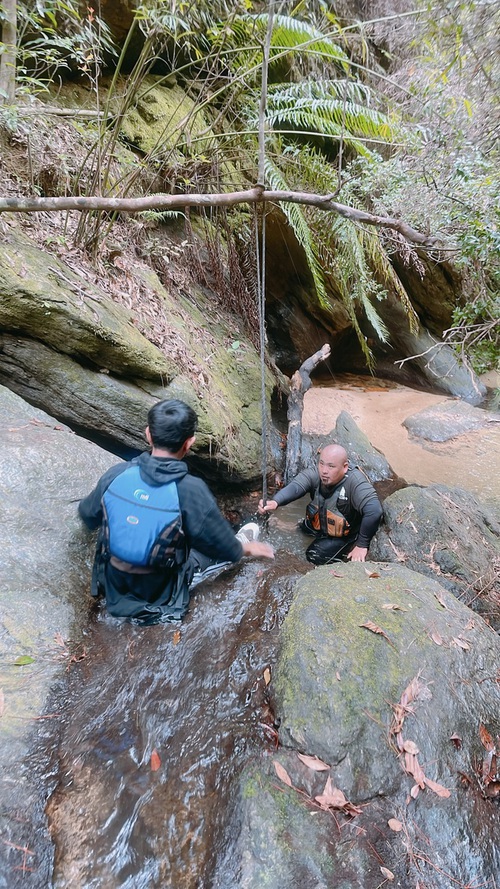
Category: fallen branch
[162,202]
[301,382]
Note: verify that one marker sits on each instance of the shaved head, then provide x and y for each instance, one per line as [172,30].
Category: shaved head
[333,464]
[334,452]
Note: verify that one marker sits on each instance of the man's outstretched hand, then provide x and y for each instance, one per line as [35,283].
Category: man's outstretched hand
[357,554]
[258,550]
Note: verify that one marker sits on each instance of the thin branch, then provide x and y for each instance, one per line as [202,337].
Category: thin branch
[164,202]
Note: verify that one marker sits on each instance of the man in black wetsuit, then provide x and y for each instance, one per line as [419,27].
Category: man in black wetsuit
[147,594]
[344,512]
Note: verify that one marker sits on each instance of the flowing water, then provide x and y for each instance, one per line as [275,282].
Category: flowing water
[161,721]
[155,723]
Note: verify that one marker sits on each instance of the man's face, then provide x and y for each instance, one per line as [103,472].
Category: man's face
[332,467]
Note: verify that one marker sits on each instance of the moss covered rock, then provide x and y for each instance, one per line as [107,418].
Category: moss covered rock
[375,660]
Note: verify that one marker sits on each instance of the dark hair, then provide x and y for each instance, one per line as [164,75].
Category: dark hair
[170,423]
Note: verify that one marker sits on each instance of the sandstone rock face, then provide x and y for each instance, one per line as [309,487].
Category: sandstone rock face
[448,534]
[401,712]
[70,349]
[46,557]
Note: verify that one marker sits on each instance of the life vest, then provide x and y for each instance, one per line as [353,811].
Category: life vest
[323,517]
[142,522]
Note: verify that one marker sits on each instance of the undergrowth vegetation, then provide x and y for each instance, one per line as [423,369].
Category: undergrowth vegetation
[395,114]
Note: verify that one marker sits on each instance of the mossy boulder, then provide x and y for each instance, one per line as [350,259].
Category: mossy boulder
[42,297]
[375,659]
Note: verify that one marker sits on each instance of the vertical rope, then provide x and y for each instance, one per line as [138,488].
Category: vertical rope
[260,250]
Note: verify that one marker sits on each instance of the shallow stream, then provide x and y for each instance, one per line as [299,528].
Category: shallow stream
[155,723]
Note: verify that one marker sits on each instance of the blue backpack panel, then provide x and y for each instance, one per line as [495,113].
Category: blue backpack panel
[142,522]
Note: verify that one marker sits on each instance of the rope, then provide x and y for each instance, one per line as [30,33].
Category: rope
[261,253]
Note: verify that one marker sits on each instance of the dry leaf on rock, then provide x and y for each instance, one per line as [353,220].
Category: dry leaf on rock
[438,788]
[441,601]
[457,640]
[486,739]
[331,797]
[411,747]
[395,825]
[388,874]
[371,573]
[155,761]
[267,675]
[390,606]
[176,637]
[369,625]
[312,762]
[282,773]
[437,638]
[414,791]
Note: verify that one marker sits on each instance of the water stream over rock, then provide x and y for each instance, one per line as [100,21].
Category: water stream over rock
[161,719]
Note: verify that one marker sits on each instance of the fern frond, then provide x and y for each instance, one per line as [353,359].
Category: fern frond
[302,230]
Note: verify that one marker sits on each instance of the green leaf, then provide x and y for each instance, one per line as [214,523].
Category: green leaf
[23,660]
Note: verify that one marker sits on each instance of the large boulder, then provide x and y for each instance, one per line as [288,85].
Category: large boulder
[441,422]
[445,533]
[45,575]
[392,683]
[71,349]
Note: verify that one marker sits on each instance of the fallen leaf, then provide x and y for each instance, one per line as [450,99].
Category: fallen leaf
[489,767]
[461,643]
[392,607]
[176,637]
[23,660]
[331,797]
[414,792]
[155,761]
[493,790]
[267,675]
[312,762]
[486,739]
[388,874]
[2,702]
[413,767]
[395,825]
[282,773]
[336,574]
[457,741]
[438,788]
[337,674]
[437,638]
[369,625]
[441,601]
[411,747]
[371,573]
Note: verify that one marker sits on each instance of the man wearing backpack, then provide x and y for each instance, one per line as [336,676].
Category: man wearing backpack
[160,529]
[344,511]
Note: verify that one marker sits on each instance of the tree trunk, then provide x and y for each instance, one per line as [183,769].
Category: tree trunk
[8,57]
[301,382]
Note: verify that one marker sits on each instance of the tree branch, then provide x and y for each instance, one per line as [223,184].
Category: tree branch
[251,196]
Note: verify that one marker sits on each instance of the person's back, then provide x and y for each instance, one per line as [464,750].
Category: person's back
[149,589]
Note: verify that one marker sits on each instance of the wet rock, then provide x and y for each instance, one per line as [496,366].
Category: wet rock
[337,687]
[441,422]
[46,560]
[445,533]
[358,446]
